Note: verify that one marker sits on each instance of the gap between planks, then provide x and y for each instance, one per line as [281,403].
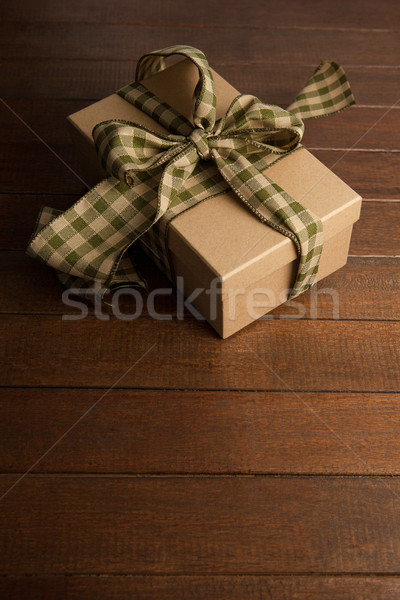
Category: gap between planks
[148,575]
[127,23]
[165,475]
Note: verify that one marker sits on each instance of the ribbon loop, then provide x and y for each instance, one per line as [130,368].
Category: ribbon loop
[205,95]
[266,125]
[124,148]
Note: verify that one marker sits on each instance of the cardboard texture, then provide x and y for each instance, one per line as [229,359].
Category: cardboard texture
[219,244]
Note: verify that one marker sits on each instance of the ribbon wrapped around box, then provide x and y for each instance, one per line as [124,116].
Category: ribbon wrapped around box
[275,219]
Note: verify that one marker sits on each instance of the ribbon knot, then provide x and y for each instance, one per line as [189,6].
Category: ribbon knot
[160,175]
[198,137]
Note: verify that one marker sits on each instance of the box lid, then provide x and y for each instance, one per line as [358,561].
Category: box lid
[221,237]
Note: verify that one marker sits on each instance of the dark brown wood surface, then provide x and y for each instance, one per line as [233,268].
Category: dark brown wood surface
[197,525]
[263,466]
[274,83]
[177,433]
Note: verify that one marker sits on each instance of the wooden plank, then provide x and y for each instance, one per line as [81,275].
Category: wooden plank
[280,84]
[218,526]
[199,432]
[296,46]
[63,78]
[32,287]
[187,354]
[47,118]
[372,174]
[223,587]
[377,231]
[367,288]
[360,127]
[55,524]
[19,214]
[47,171]
[229,14]
[95,79]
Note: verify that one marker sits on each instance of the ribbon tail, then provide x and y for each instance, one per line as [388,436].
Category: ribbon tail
[126,274]
[87,243]
[89,240]
[279,210]
[327,92]
[149,65]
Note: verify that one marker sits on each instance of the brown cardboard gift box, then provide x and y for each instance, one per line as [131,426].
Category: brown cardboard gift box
[233,267]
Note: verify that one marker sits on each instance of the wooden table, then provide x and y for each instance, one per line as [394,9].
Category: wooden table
[150,459]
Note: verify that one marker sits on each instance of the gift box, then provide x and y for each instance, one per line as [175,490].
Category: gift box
[232,266]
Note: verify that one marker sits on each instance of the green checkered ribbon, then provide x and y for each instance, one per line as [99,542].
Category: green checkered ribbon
[155,177]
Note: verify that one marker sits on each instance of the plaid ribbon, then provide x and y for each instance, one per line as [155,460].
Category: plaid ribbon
[155,175]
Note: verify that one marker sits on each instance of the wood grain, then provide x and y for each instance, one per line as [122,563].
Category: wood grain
[273,587]
[130,42]
[171,432]
[377,232]
[372,174]
[19,213]
[358,128]
[187,354]
[306,13]
[204,525]
[47,171]
[201,475]
[47,118]
[273,83]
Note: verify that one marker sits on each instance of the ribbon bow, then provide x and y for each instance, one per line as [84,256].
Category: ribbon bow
[154,175]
